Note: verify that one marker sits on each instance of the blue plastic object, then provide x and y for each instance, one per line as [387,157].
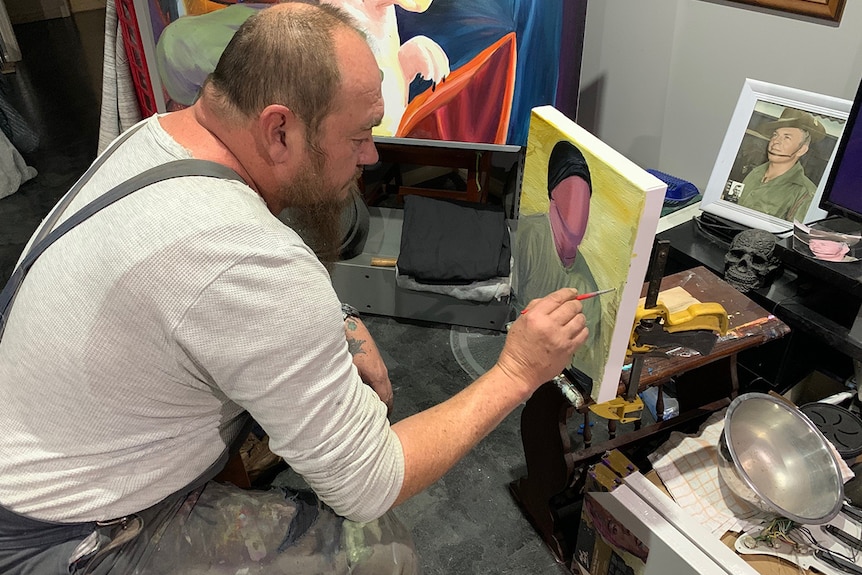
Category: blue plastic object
[671,404]
[679,191]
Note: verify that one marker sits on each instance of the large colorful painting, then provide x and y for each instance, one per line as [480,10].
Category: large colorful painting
[454,70]
[587,220]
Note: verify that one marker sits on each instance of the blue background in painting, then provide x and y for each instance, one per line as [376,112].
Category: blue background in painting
[463,28]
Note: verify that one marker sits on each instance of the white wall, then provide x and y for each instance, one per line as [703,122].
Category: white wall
[660,78]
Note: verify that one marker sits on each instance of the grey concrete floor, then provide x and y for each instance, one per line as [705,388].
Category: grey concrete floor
[467,522]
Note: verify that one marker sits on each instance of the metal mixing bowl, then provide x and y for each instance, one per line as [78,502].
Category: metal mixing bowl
[773,457]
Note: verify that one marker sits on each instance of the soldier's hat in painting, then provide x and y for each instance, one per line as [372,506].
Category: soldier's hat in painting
[567,160]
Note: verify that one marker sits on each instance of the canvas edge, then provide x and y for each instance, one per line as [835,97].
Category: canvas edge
[599,148]
[148,43]
[653,200]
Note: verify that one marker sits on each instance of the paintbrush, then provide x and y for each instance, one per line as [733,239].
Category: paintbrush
[584,296]
[579,297]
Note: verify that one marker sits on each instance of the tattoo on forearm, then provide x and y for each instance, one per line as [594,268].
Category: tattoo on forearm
[354,346]
[351,324]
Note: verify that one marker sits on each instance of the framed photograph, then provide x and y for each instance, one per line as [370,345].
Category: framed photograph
[826,9]
[776,157]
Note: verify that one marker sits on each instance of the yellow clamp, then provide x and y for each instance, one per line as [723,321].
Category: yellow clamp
[698,316]
[620,409]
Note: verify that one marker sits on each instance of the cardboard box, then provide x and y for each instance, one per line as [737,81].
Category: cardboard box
[608,474]
[814,387]
[618,463]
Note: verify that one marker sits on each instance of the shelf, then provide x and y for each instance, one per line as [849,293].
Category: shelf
[845,276]
[372,289]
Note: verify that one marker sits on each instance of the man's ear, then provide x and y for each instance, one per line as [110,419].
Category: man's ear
[281,131]
[802,151]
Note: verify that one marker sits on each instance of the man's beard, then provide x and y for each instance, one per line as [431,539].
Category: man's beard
[316,211]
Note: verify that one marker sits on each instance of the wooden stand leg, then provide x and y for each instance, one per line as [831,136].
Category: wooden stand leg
[588,430]
[549,472]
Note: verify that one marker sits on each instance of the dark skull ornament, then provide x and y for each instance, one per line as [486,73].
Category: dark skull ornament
[751,260]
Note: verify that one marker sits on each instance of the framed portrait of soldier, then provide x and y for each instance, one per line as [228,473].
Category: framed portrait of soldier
[776,157]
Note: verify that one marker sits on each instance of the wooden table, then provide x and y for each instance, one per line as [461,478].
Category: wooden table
[550,493]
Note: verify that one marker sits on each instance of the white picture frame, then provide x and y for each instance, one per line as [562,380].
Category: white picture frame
[744,148]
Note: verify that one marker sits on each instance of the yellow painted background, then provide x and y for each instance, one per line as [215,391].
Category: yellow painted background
[616,207]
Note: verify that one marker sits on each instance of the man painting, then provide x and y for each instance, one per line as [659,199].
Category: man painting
[141,342]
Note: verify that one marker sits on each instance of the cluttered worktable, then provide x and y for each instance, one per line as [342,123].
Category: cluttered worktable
[819,300]
[552,489]
[702,379]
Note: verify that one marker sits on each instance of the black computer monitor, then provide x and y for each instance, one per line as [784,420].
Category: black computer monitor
[843,192]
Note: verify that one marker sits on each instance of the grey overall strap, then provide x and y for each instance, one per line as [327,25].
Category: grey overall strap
[175,169]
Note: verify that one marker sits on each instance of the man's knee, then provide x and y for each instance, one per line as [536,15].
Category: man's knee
[384,546]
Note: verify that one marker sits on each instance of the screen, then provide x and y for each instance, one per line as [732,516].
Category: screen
[843,191]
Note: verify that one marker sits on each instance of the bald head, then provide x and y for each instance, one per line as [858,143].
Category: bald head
[285,54]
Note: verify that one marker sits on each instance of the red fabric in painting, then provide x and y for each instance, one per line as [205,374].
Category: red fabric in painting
[473,104]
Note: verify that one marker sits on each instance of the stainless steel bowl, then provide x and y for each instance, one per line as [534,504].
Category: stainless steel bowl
[773,457]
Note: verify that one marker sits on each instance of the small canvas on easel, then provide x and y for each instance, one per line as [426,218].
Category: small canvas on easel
[588,218]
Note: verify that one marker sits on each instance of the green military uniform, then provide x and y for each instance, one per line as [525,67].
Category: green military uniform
[787,196]
[538,272]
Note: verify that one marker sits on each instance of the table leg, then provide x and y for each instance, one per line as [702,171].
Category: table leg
[588,430]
